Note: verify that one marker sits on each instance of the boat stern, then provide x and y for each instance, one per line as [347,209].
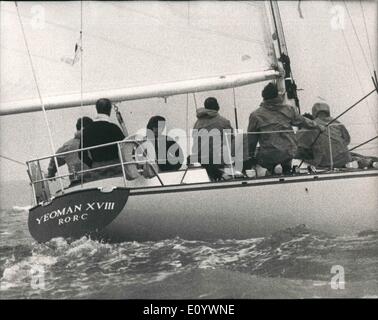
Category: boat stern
[75,214]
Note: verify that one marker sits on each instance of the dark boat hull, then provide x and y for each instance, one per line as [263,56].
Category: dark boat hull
[75,214]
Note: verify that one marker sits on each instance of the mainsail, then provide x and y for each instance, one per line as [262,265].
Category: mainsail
[131,50]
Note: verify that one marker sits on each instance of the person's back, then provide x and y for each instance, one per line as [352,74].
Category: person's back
[71,159]
[340,139]
[102,131]
[211,119]
[272,122]
[210,124]
[209,127]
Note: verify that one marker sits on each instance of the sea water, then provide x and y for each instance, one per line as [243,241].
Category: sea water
[292,263]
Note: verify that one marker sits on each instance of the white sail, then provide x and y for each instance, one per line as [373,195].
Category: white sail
[181,42]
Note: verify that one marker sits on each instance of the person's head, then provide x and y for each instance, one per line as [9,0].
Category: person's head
[156,124]
[270,91]
[320,110]
[104,106]
[86,121]
[211,104]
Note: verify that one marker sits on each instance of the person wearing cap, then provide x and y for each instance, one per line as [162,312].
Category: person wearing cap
[72,159]
[273,115]
[168,153]
[320,150]
[209,126]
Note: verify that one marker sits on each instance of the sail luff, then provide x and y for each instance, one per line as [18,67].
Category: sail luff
[162,90]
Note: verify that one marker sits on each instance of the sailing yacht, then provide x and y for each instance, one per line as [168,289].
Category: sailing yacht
[177,63]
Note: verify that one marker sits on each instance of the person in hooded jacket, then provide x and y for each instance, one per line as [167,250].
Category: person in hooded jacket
[210,126]
[320,150]
[273,115]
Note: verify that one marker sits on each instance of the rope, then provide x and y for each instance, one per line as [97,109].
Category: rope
[120,120]
[235,109]
[195,100]
[330,147]
[39,93]
[13,160]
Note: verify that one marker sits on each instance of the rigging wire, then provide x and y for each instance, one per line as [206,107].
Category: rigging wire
[187,126]
[81,94]
[357,74]
[282,31]
[367,36]
[363,143]
[357,37]
[340,115]
[39,93]
[276,28]
[12,160]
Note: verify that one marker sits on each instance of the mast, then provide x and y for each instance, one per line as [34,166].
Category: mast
[287,82]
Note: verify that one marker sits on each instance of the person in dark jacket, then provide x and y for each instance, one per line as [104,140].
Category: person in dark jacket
[320,150]
[101,131]
[168,153]
[273,115]
[211,126]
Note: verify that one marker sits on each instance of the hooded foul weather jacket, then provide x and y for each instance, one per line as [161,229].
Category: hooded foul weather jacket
[275,147]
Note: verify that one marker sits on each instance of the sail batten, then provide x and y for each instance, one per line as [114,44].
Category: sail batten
[162,90]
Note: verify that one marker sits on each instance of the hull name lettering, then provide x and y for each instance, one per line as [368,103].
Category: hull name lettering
[74,213]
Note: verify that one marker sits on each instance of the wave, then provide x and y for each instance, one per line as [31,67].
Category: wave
[21,208]
[296,257]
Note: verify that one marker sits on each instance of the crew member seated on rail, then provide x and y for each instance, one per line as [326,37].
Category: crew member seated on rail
[209,139]
[320,150]
[276,148]
[168,153]
[71,159]
[102,131]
